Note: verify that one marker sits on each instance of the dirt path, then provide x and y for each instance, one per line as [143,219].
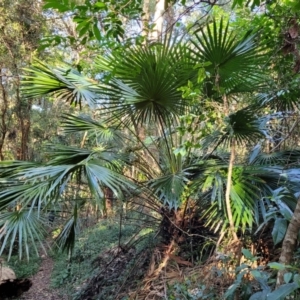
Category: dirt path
[41,289]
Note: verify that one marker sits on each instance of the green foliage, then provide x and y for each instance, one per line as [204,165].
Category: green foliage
[23,228]
[65,82]
[102,132]
[96,20]
[244,286]
[253,3]
[74,271]
[185,291]
[233,62]
[158,87]
[277,209]
[169,115]
[24,268]
[145,82]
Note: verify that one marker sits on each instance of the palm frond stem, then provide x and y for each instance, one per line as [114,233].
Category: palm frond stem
[228,188]
[165,137]
[144,147]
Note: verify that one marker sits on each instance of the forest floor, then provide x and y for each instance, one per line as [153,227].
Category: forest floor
[41,283]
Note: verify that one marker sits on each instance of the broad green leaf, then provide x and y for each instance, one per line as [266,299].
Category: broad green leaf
[282,291]
[287,277]
[297,279]
[84,29]
[237,2]
[231,290]
[247,254]
[277,266]
[279,230]
[96,32]
[100,5]
[259,295]
[56,5]
[262,278]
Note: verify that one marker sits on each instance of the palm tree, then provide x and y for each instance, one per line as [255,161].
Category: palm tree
[139,87]
[28,195]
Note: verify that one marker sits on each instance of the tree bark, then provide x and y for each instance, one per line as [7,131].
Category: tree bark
[108,198]
[158,20]
[3,117]
[146,19]
[23,113]
[289,243]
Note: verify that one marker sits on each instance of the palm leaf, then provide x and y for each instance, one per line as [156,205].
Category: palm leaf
[10,167]
[169,188]
[73,124]
[36,187]
[24,227]
[146,80]
[284,99]
[233,64]
[249,184]
[285,157]
[243,126]
[63,82]
[67,236]
[103,132]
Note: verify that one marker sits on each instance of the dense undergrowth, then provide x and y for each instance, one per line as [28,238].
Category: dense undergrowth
[72,274]
[139,264]
[24,268]
[134,261]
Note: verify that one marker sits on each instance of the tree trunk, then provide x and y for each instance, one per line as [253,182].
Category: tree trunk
[3,117]
[289,242]
[23,113]
[108,198]
[158,20]
[146,19]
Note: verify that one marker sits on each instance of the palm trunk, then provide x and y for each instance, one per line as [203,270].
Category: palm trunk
[228,188]
[289,242]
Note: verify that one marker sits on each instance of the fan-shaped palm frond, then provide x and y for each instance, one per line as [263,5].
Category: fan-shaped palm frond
[36,187]
[280,99]
[143,83]
[60,154]
[27,194]
[235,64]
[146,81]
[243,126]
[67,236]
[169,188]
[101,131]
[23,227]
[63,82]
[8,168]
[279,158]
[249,185]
